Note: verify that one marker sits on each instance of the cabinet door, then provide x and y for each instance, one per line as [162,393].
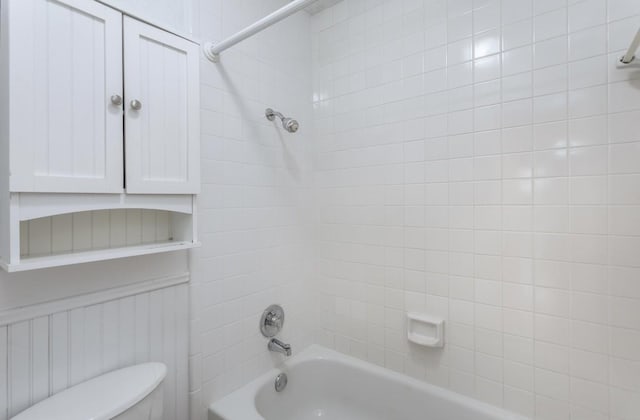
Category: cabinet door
[162,107]
[65,64]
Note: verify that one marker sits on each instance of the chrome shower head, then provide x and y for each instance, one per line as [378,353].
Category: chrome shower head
[288,124]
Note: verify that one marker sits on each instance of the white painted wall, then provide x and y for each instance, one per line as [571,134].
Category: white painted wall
[481,161]
[23,289]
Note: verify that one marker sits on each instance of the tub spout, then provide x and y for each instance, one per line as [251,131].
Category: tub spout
[279,347]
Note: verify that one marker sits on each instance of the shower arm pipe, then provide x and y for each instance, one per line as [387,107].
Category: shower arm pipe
[212,51]
[630,55]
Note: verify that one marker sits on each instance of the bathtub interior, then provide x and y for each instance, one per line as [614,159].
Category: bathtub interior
[333,389]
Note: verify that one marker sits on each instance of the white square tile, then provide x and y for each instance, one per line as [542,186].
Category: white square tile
[587,101]
[517,60]
[459,26]
[624,220]
[550,135]
[588,43]
[619,9]
[486,16]
[552,329]
[552,357]
[550,108]
[589,220]
[551,219]
[624,158]
[551,191]
[589,190]
[519,323]
[543,6]
[588,72]
[487,118]
[517,139]
[550,52]
[588,131]
[517,218]
[516,87]
[486,43]
[589,160]
[516,10]
[551,163]
[457,52]
[550,25]
[550,80]
[518,296]
[589,307]
[590,249]
[517,34]
[517,113]
[623,189]
[554,274]
[517,165]
[486,68]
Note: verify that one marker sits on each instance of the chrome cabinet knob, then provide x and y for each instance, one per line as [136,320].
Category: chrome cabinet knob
[116,100]
[136,105]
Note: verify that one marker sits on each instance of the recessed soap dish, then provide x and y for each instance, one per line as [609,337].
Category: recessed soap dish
[425,330]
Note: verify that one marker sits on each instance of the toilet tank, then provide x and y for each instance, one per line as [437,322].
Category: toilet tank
[126,394]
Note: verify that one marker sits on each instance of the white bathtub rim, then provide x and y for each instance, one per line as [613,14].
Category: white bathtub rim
[235,405]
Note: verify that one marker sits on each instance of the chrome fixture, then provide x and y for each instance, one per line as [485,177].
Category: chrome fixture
[278,346]
[281,382]
[289,124]
[136,105]
[272,321]
[116,100]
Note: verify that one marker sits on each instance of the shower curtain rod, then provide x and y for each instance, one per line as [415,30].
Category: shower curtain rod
[212,51]
[630,55]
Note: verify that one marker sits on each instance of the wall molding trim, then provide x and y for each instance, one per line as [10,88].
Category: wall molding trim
[24,313]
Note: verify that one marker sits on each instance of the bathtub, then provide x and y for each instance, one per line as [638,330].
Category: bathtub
[329,385]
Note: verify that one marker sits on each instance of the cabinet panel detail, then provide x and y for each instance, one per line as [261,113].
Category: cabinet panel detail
[162,128]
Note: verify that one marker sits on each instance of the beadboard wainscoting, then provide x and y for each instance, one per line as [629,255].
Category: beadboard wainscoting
[49,347]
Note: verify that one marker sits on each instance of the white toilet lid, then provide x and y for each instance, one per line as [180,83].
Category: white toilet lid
[100,398]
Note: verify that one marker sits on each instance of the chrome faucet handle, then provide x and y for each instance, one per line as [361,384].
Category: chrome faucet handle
[272,321]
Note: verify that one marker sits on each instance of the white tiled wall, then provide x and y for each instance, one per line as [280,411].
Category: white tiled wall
[255,207]
[480,160]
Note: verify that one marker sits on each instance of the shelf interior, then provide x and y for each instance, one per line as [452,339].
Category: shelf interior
[96,235]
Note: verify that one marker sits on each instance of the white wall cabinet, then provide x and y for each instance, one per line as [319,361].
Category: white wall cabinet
[67,92]
[98,111]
